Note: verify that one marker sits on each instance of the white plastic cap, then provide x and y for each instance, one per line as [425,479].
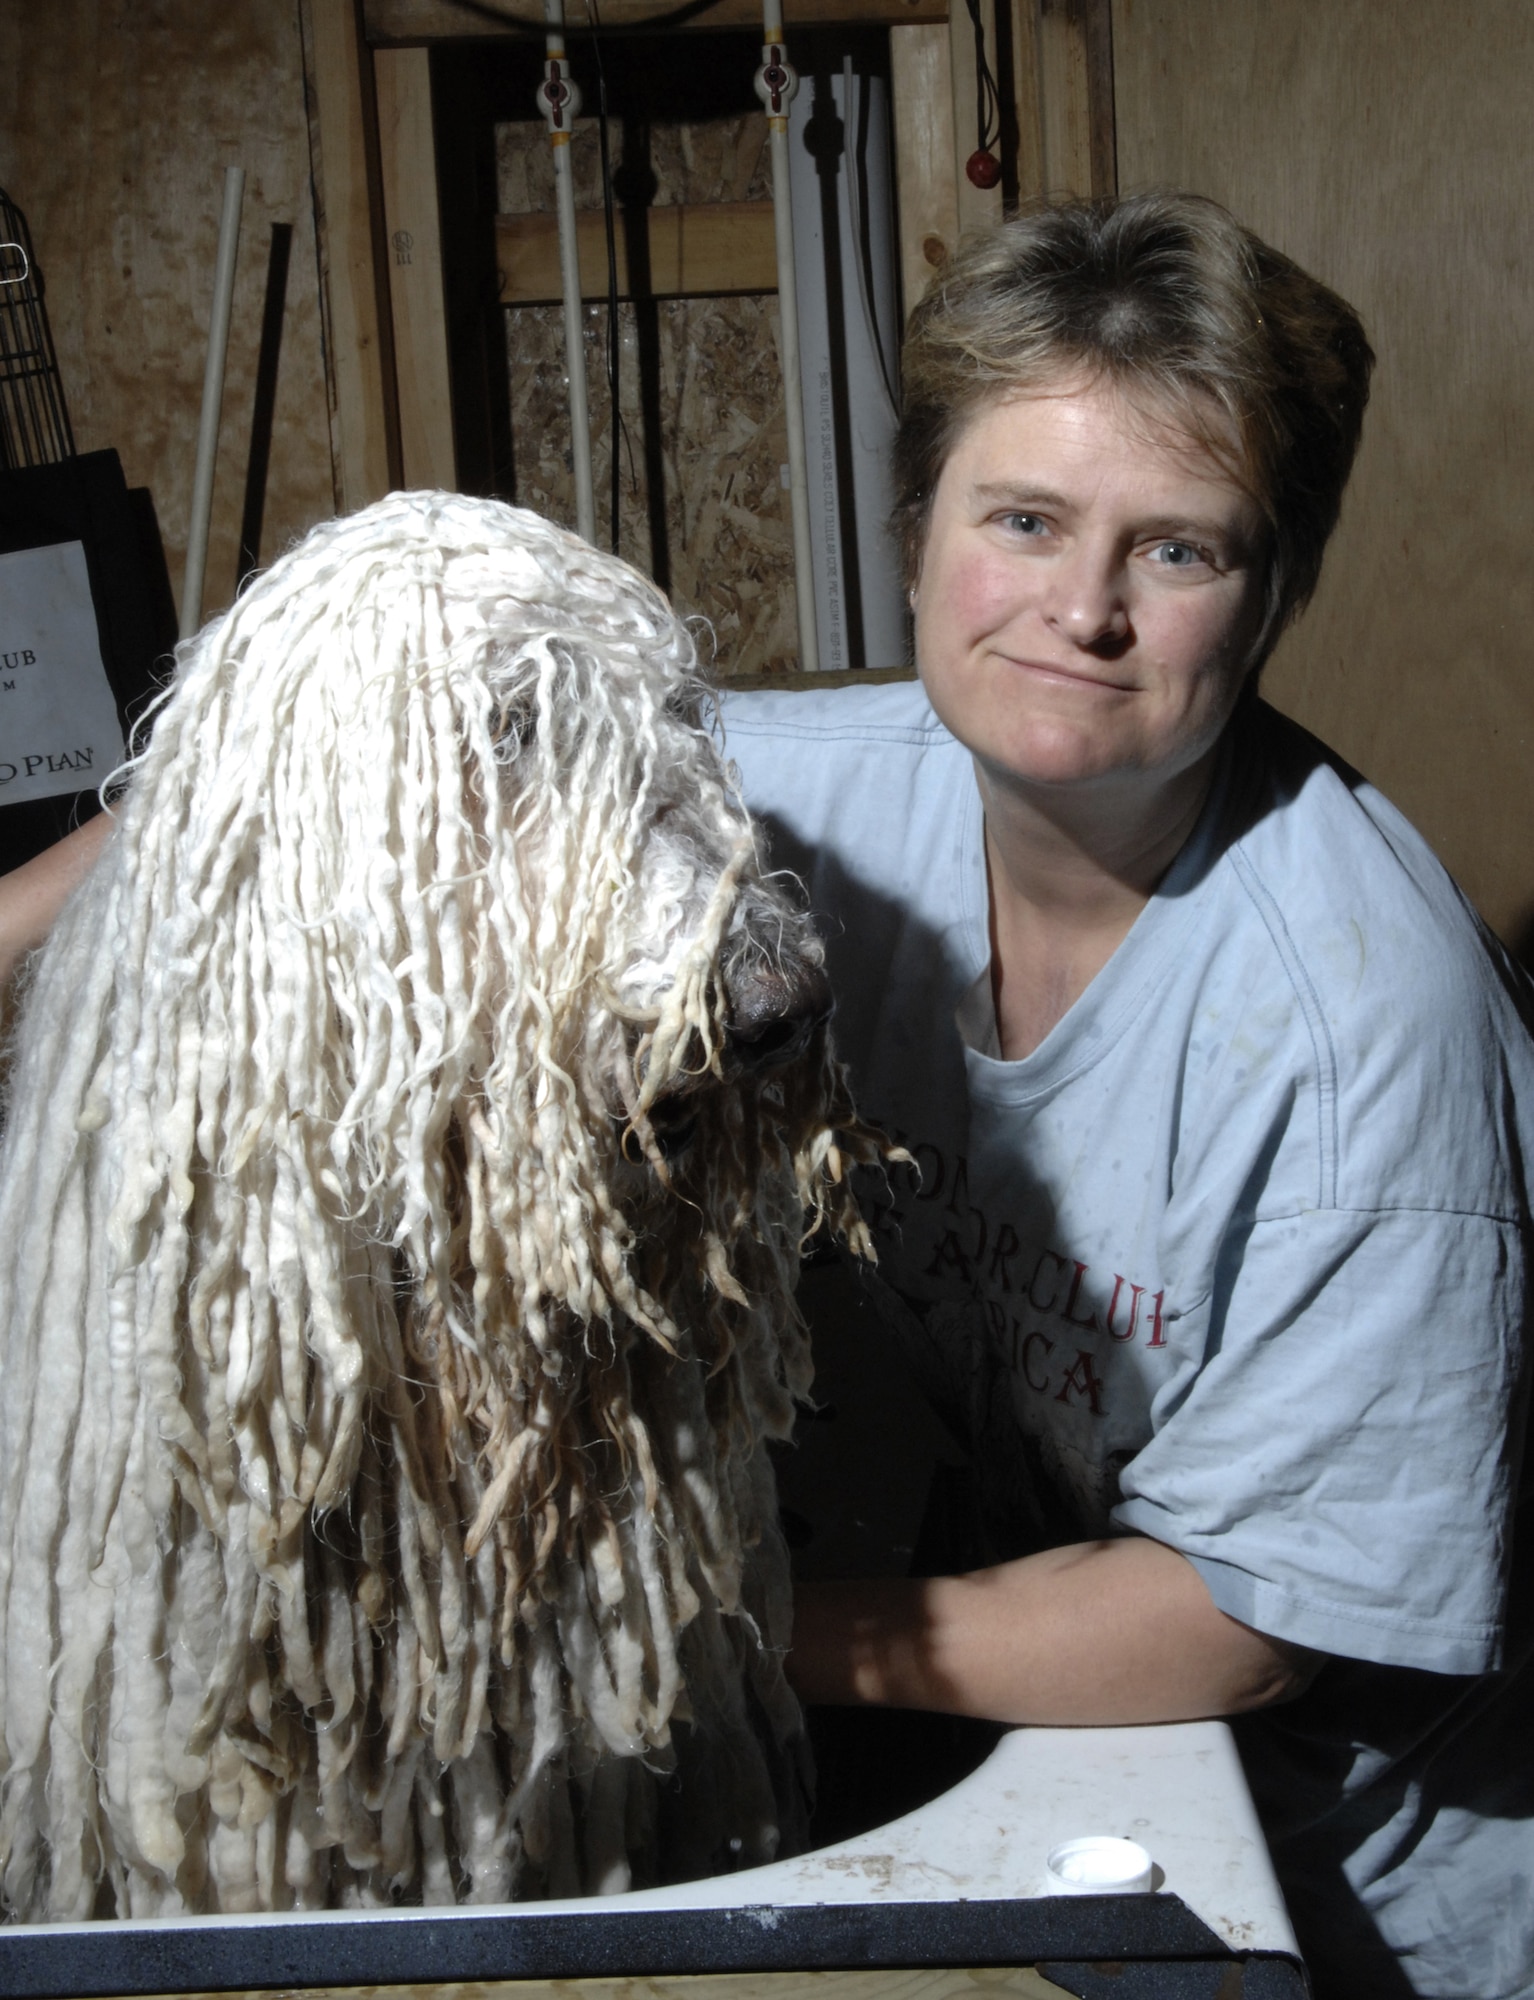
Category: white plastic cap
[1097,1865]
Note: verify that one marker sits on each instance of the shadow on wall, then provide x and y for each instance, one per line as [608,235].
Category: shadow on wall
[1520,941]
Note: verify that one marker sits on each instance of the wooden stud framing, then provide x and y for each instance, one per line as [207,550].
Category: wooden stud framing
[1053,62]
[375,184]
[922,79]
[697,250]
[1075,44]
[411,22]
[1025,130]
[1102,140]
[414,238]
[359,360]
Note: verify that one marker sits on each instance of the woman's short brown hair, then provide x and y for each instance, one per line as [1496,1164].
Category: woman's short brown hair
[1170,297]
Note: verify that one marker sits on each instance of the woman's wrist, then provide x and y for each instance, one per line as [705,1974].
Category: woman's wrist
[1119,1631]
[32,895]
[858,1643]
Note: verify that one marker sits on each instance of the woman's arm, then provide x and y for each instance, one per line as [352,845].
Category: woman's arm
[1101,1632]
[32,896]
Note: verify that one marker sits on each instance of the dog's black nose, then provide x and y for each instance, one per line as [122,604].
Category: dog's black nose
[774,1011]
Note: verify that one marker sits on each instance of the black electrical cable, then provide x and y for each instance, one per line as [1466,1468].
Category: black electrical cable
[987,97]
[609,217]
[666,17]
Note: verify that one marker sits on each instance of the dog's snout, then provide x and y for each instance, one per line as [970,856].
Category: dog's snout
[774,1011]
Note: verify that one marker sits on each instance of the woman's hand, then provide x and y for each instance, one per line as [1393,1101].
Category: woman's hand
[32,896]
[1102,1632]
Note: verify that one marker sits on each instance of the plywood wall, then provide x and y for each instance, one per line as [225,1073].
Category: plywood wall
[1386,148]
[117,120]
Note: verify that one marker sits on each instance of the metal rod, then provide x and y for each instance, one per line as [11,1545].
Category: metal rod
[559,102]
[212,401]
[776,84]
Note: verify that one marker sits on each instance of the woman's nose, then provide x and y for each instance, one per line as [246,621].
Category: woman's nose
[1087,602]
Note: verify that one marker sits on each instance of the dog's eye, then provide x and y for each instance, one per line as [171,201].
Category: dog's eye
[674,1123]
[512,727]
[674,1134]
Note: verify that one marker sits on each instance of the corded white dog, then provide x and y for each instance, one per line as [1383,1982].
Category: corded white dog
[410,1136]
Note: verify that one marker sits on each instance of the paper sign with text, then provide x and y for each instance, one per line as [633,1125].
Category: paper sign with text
[58,719]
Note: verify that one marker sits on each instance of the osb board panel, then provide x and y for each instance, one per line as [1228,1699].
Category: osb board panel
[117,122]
[711,159]
[727,552]
[964,1983]
[1386,148]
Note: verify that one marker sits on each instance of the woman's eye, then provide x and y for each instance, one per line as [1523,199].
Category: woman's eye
[1178,555]
[1024,524]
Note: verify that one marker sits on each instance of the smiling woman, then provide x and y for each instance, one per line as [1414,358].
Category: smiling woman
[1218,1255]
[1084,616]
[1085,621]
[1198,321]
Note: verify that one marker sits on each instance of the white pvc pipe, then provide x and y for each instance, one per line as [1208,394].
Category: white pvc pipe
[212,402]
[561,117]
[788,313]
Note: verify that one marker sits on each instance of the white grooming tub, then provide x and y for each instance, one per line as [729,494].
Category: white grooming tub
[952,1897]
[957,1886]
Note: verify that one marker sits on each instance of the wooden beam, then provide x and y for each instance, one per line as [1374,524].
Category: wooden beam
[1102,123]
[1076,96]
[354,298]
[402,23]
[413,232]
[921,69]
[1018,1982]
[695,250]
[1026,132]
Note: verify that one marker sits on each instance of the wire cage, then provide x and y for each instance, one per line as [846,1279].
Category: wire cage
[34,422]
